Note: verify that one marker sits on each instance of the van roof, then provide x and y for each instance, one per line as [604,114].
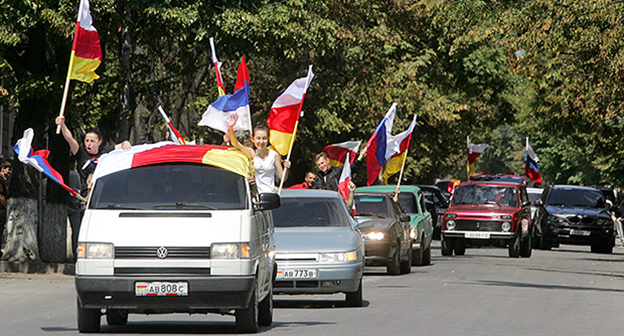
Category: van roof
[224,157]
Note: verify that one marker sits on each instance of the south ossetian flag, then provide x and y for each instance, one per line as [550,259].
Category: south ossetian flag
[381,146]
[86,54]
[345,177]
[337,153]
[285,113]
[395,164]
[474,150]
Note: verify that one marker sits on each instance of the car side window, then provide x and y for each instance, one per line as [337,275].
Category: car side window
[423,204]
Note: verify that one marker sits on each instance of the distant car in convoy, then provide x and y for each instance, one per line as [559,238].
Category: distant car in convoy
[389,241]
[435,197]
[486,213]
[319,249]
[443,184]
[412,200]
[534,195]
[573,215]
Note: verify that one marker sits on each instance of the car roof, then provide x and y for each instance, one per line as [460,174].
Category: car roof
[383,193]
[573,187]
[389,188]
[309,193]
[494,183]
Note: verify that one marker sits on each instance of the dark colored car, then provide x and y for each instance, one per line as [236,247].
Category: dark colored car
[573,215]
[437,202]
[498,178]
[389,241]
[443,185]
[488,214]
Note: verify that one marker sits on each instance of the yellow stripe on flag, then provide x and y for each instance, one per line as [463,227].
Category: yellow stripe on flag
[470,169]
[230,160]
[393,166]
[280,141]
[83,69]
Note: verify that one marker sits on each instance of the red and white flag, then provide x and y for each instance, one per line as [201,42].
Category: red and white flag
[86,54]
[175,135]
[217,64]
[345,178]
[337,153]
[474,150]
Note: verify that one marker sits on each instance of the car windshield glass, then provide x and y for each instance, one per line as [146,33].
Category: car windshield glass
[473,194]
[170,186]
[408,202]
[375,205]
[534,196]
[574,197]
[311,212]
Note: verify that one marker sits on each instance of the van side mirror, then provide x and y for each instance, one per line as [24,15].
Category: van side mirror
[406,218]
[268,201]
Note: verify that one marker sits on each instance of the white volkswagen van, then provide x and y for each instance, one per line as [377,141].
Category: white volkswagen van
[175,229]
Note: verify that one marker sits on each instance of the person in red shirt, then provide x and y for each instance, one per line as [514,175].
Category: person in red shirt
[308,183]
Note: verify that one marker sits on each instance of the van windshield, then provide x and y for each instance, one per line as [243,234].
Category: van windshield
[171,186]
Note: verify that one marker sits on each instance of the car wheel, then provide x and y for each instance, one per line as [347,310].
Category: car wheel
[447,246]
[536,239]
[247,319]
[514,246]
[427,256]
[115,317]
[265,309]
[526,247]
[544,244]
[394,267]
[354,299]
[88,319]
[603,248]
[417,256]
[406,266]
[459,248]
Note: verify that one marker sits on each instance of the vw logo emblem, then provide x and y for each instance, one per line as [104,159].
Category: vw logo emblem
[162,252]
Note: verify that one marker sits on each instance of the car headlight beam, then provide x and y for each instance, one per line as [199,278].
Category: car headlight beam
[375,235]
[95,251]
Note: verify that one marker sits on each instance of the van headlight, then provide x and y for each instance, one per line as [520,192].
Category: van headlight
[338,257]
[229,251]
[95,251]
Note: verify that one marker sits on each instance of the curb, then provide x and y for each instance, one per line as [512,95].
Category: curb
[32,267]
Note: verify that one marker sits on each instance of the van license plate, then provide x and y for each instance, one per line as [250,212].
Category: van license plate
[477,235]
[161,289]
[580,232]
[296,274]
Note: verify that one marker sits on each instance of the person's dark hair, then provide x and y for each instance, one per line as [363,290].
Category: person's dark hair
[6,164]
[260,127]
[320,155]
[94,131]
[310,172]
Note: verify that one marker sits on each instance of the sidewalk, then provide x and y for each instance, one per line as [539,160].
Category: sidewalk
[32,267]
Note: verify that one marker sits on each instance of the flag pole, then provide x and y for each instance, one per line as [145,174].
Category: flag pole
[279,191]
[403,165]
[67,81]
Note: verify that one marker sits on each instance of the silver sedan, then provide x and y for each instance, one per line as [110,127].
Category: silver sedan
[319,248]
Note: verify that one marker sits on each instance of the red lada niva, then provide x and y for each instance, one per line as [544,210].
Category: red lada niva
[488,214]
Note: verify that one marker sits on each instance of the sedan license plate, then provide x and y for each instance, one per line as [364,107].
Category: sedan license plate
[161,289]
[477,235]
[296,274]
[580,232]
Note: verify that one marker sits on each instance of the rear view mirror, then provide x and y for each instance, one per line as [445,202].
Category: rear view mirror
[268,201]
[406,218]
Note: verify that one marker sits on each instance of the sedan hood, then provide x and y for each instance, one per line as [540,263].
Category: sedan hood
[580,211]
[379,224]
[308,239]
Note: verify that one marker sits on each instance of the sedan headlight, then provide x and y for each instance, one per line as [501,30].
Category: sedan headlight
[451,225]
[413,233]
[95,251]
[603,221]
[374,235]
[338,257]
[229,251]
[555,219]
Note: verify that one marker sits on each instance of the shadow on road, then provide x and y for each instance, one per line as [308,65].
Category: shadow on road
[542,286]
[314,304]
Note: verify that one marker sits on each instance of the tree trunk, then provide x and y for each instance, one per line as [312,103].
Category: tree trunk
[22,230]
[53,239]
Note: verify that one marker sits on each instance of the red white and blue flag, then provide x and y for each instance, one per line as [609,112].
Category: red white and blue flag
[381,146]
[218,113]
[39,160]
[531,169]
[345,177]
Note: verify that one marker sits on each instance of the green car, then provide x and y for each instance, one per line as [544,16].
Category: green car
[413,201]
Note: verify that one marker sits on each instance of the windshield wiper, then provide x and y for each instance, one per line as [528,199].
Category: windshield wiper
[117,206]
[371,214]
[183,205]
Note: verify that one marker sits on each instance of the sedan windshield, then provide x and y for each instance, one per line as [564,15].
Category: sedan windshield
[574,197]
[473,194]
[171,186]
[311,212]
[372,205]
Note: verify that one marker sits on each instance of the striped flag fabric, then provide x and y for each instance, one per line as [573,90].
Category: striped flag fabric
[218,113]
[382,146]
[285,113]
[395,164]
[217,65]
[242,75]
[345,177]
[86,54]
[337,153]
[175,135]
[474,150]
[531,169]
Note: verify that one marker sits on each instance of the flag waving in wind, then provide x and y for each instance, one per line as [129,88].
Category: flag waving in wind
[337,153]
[39,161]
[474,150]
[395,164]
[175,135]
[531,169]
[285,113]
[217,64]
[86,54]
[345,177]
[381,146]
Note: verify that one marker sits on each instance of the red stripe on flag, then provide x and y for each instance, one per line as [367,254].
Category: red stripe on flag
[173,153]
[242,75]
[339,153]
[87,44]
[283,119]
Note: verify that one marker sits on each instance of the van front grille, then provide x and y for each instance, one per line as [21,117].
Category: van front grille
[151,252]
[182,271]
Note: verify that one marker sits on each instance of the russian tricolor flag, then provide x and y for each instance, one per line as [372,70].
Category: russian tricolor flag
[218,113]
[531,169]
[381,146]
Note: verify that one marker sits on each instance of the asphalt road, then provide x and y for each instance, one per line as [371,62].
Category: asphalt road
[566,291]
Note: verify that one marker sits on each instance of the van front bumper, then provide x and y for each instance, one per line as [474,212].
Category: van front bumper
[204,294]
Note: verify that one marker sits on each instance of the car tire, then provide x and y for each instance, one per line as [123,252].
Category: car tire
[602,248]
[514,246]
[535,243]
[265,309]
[116,317]
[526,247]
[247,319]
[447,246]
[427,256]
[459,248]
[544,244]
[394,266]
[354,299]
[406,266]
[88,319]
[417,256]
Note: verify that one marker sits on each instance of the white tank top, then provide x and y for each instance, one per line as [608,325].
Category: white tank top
[265,172]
